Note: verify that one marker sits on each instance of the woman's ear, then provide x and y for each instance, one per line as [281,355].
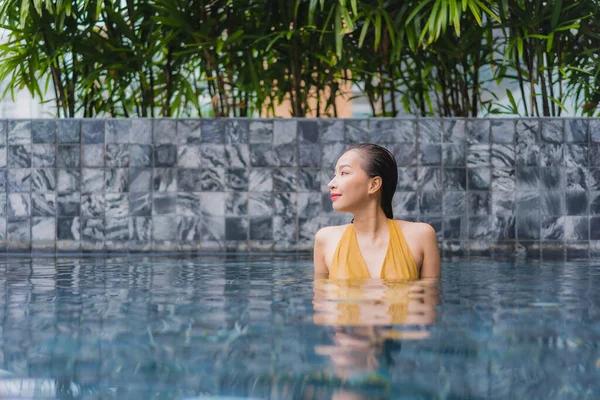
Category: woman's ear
[375,184]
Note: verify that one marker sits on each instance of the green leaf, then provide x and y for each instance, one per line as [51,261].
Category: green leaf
[363,33]
[512,101]
[558,103]
[556,13]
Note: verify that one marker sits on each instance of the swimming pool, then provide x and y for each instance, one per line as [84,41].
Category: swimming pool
[261,327]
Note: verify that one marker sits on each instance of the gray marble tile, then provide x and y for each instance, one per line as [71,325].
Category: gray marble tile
[92,229]
[43,155]
[430,202]
[326,203]
[140,131]
[189,229]
[260,204]
[189,204]
[3,131]
[528,202]
[237,155]
[261,228]
[117,130]
[92,131]
[528,178]
[552,228]
[67,205]
[309,155]
[214,204]
[285,230]
[528,154]
[430,154]
[260,180]
[455,228]
[309,204]
[480,227]
[43,228]
[594,178]
[92,180]
[309,131]
[165,179]
[189,156]
[503,179]
[116,205]
[116,179]
[577,250]
[406,154]
[404,203]
[68,247]
[479,178]
[455,203]
[576,179]
[553,130]
[164,130]
[236,204]
[165,155]
[594,228]
[528,131]
[209,179]
[454,130]
[189,131]
[478,130]
[3,224]
[577,228]
[576,130]
[405,130]
[356,131]
[504,203]
[93,155]
[3,181]
[594,203]
[43,204]
[285,155]
[236,228]
[43,180]
[407,179]
[430,130]
[68,157]
[19,205]
[140,204]
[382,130]
[164,203]
[19,131]
[262,155]
[141,155]
[140,179]
[479,155]
[261,131]
[117,155]
[19,235]
[504,227]
[479,203]
[503,155]
[285,179]
[285,132]
[503,130]
[455,178]
[19,156]
[576,203]
[552,203]
[42,131]
[308,180]
[140,229]
[236,179]
[93,205]
[237,131]
[213,229]
[576,155]
[594,151]
[213,130]
[528,227]
[551,178]
[429,178]
[3,205]
[454,155]
[332,130]
[285,203]
[117,229]
[19,180]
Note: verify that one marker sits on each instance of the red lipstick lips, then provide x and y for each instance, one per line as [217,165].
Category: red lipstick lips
[334,196]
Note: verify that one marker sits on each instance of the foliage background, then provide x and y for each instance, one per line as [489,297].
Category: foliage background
[221,58]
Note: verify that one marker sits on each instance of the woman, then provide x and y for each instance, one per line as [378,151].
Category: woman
[374,245]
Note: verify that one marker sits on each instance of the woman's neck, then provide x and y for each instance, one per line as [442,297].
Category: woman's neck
[371,223]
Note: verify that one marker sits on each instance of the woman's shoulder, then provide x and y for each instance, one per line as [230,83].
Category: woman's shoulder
[327,232]
[419,228]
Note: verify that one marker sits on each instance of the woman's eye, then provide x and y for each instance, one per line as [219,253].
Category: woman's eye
[343,173]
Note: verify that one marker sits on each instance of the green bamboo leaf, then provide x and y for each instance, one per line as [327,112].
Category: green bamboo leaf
[549,42]
[363,33]
[338,32]
[475,11]
[512,101]
[377,30]
[354,7]
[311,11]
[37,4]
[556,13]
[558,103]
[417,9]
[24,12]
[487,11]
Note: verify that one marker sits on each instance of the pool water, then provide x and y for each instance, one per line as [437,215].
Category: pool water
[261,327]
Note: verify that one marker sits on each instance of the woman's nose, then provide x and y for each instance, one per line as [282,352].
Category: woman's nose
[331,184]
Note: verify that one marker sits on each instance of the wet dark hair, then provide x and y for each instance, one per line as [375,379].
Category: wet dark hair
[379,161]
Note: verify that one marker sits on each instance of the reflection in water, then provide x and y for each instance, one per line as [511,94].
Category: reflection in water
[366,315]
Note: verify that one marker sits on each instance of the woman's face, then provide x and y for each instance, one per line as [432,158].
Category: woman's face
[350,185]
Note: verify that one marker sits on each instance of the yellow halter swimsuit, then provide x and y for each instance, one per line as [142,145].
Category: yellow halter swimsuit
[348,262]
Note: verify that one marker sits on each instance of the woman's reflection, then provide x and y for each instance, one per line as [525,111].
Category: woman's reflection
[367,315]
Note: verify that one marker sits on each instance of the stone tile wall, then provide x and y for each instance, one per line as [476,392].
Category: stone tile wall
[527,187]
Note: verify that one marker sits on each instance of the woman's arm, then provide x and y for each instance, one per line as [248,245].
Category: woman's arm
[321,270]
[431,267]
